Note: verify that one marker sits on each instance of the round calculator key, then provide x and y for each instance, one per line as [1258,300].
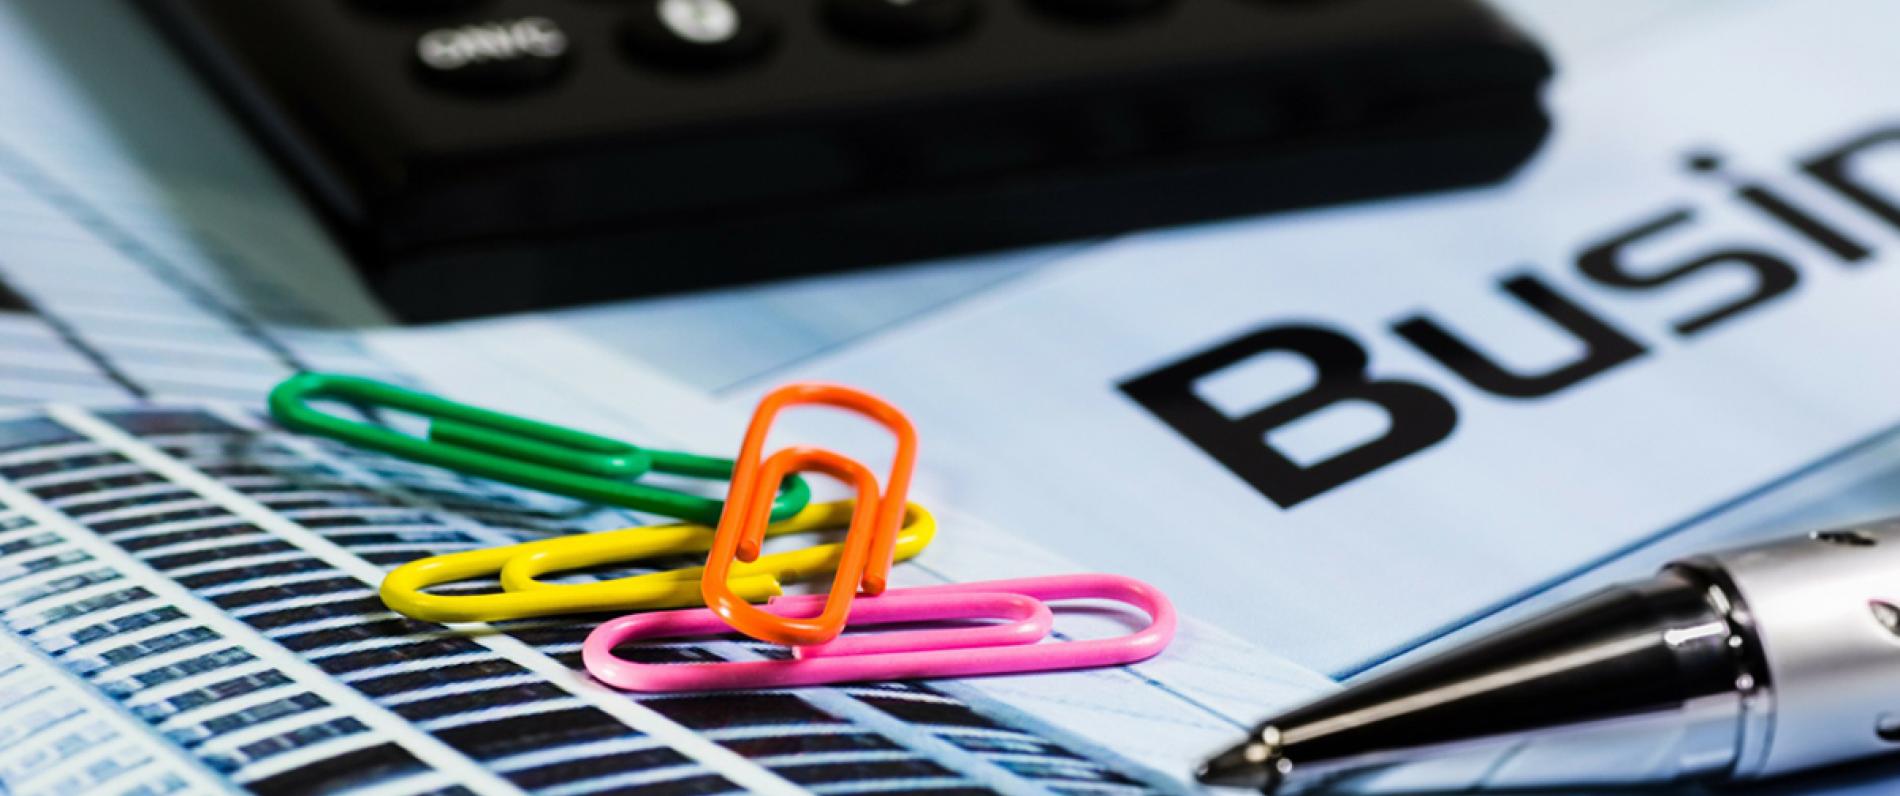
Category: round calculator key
[697,34]
[1100,10]
[900,21]
[498,56]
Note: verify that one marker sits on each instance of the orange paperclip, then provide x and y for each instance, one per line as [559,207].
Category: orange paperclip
[866,560]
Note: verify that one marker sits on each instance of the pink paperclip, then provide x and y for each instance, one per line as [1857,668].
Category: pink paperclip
[1008,648]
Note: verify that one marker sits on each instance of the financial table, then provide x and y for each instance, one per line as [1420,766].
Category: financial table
[216,579]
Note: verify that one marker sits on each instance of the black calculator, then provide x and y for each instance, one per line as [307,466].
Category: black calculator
[480,156]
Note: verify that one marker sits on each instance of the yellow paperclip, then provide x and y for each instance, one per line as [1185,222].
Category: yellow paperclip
[524,596]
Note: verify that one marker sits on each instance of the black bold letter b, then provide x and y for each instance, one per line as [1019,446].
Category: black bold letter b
[1419,417]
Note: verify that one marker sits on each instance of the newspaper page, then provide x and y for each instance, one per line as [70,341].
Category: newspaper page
[1350,435]
[188,595]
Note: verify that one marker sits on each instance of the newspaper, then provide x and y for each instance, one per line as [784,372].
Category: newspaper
[1415,414]
[1631,372]
[187,594]
[1358,434]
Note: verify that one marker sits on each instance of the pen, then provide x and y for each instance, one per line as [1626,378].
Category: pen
[1729,666]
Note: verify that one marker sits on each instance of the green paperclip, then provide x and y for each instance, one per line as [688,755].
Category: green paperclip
[512,449]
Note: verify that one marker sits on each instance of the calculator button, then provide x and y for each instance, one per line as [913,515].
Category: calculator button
[697,34]
[900,21]
[498,56]
[1100,10]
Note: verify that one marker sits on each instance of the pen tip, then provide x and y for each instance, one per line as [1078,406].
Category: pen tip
[1254,765]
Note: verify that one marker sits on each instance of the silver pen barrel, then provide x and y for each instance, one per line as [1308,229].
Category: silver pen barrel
[1735,665]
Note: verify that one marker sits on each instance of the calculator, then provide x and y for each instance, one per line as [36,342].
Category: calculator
[481,156]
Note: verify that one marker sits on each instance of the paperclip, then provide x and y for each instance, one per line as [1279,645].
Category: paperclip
[512,449]
[866,559]
[898,655]
[519,566]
